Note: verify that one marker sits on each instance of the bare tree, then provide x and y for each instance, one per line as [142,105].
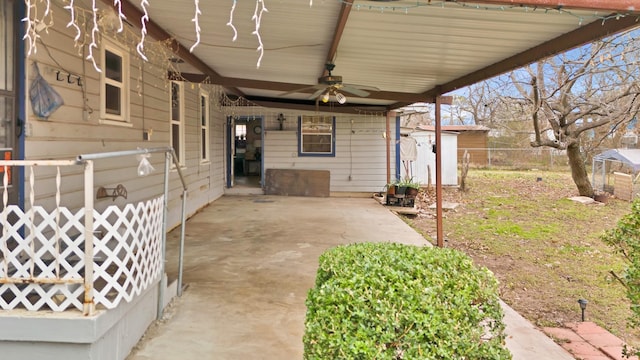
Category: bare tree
[582,97]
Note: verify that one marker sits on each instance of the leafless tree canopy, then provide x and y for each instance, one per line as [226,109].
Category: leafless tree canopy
[578,101]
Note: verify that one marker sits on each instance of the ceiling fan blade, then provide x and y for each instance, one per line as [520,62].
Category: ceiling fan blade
[317,93]
[300,90]
[354,91]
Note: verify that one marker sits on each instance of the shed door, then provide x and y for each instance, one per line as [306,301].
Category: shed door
[8,114]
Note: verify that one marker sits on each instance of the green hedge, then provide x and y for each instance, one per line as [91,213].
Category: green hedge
[625,240]
[393,301]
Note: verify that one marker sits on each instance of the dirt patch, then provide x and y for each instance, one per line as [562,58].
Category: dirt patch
[543,248]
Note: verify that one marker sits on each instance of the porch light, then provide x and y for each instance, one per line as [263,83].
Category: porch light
[341,98]
[583,306]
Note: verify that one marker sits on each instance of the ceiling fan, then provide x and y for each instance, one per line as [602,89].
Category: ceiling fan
[330,84]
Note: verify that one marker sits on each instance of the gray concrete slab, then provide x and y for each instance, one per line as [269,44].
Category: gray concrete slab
[249,264]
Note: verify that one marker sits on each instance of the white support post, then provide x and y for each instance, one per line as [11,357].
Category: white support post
[182,234]
[165,208]
[89,305]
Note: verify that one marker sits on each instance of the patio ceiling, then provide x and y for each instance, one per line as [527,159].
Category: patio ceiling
[410,50]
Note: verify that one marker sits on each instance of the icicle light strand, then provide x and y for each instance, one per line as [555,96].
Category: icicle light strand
[94,33]
[118,5]
[30,34]
[195,19]
[72,22]
[261,8]
[230,23]
[143,30]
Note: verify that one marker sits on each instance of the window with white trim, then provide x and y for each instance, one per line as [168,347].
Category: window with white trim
[176,129]
[317,135]
[204,126]
[114,83]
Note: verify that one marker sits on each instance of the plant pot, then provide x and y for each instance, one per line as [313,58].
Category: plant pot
[401,190]
[391,189]
[411,192]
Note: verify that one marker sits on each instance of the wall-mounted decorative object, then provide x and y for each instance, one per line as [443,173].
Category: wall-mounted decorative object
[70,78]
[281,119]
[44,98]
[112,193]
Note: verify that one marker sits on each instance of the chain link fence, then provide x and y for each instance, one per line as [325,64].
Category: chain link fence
[516,158]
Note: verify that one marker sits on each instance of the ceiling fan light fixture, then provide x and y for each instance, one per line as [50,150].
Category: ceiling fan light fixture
[325,97]
[341,98]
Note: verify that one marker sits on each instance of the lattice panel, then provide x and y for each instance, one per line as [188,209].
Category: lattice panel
[42,261]
[129,252]
[39,266]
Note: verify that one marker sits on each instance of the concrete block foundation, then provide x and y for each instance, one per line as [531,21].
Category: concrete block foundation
[107,335]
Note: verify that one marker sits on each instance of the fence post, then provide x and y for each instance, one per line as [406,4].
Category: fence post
[89,305]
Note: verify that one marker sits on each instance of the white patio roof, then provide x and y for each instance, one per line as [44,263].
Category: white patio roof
[411,50]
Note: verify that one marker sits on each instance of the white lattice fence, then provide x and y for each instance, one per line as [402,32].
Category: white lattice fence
[60,259]
[129,252]
[42,255]
[41,259]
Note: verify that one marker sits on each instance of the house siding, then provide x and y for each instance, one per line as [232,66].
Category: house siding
[359,164]
[71,130]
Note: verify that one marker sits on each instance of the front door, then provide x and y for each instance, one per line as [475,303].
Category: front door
[8,100]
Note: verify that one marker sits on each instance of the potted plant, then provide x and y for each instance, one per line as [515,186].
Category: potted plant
[391,187]
[410,186]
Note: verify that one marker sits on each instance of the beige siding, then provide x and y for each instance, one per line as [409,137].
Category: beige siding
[360,161]
[72,130]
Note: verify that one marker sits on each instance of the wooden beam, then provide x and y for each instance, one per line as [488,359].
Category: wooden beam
[285,87]
[154,30]
[312,106]
[337,33]
[583,35]
[597,5]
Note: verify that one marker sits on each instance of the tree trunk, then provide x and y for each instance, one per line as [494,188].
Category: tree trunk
[578,170]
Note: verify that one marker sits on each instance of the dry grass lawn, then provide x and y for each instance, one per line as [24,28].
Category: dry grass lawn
[544,249]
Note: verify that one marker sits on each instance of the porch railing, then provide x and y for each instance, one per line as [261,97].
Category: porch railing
[60,258]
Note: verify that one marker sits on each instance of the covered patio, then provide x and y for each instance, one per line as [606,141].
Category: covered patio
[249,263]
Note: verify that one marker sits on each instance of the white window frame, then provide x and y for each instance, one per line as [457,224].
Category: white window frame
[305,122]
[179,121]
[204,116]
[123,118]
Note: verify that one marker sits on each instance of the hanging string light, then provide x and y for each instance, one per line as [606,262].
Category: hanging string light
[72,23]
[30,33]
[94,33]
[118,5]
[197,25]
[143,30]
[230,23]
[257,17]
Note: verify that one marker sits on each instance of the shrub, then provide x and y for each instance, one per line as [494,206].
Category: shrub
[393,301]
[625,240]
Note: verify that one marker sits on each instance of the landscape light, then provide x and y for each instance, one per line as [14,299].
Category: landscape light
[583,306]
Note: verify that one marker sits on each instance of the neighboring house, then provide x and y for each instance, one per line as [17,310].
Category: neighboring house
[471,138]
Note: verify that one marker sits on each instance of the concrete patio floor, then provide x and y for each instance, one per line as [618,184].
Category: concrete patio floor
[249,262]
